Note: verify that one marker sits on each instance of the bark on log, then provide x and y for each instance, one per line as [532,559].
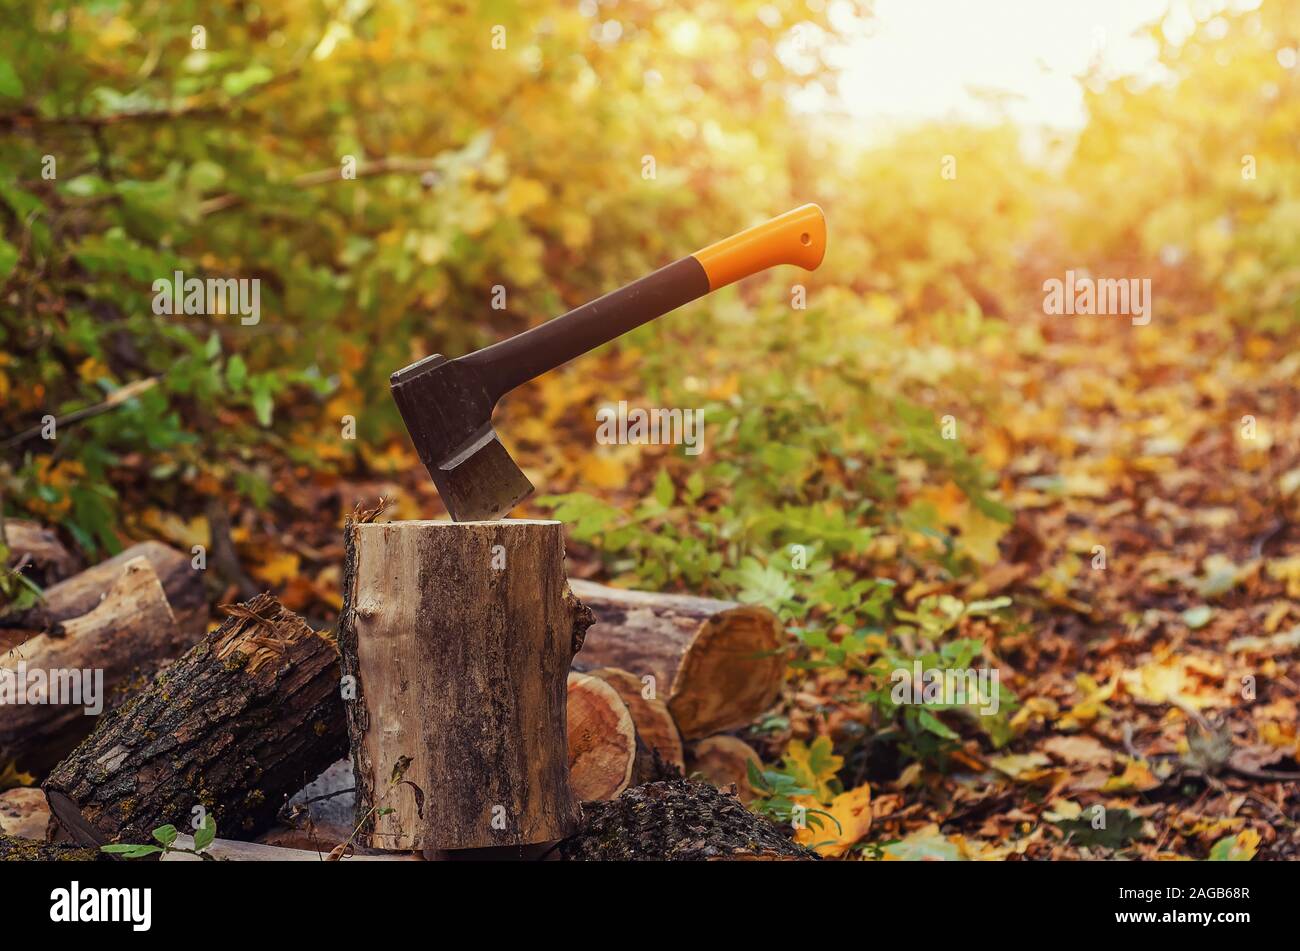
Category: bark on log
[80,594]
[13,849]
[724,761]
[236,725]
[37,552]
[127,638]
[677,821]
[654,723]
[460,637]
[720,664]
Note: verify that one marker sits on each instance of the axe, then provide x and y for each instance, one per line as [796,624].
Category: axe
[447,404]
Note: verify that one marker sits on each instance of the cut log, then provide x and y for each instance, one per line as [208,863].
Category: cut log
[229,850]
[724,761]
[80,594]
[677,821]
[14,849]
[459,637]
[602,739]
[719,664]
[654,724]
[236,725]
[87,667]
[23,813]
[37,552]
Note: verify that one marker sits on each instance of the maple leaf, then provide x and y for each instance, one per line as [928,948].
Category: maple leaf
[814,767]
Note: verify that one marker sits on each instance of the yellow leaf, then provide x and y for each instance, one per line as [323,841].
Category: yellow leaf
[11,778]
[813,766]
[278,569]
[603,471]
[851,812]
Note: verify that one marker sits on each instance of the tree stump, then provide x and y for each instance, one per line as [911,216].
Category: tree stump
[459,637]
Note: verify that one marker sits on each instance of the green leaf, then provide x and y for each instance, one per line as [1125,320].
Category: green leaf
[936,726]
[8,258]
[236,84]
[203,836]
[130,851]
[664,489]
[236,373]
[165,834]
[10,85]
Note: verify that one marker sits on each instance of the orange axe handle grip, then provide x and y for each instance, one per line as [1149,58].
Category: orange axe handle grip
[796,237]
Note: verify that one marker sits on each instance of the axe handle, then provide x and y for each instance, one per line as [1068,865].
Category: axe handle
[796,237]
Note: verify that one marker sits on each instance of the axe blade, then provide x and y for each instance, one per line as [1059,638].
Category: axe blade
[482,482]
[447,408]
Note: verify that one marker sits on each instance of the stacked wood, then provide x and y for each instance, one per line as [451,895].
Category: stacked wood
[650,715]
[677,821]
[236,725]
[36,552]
[724,761]
[719,664]
[459,637]
[81,593]
[124,639]
[23,813]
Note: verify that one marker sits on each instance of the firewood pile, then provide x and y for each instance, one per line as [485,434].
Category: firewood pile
[121,712]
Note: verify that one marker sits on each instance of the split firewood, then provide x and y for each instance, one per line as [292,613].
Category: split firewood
[654,724]
[724,761]
[37,552]
[14,849]
[680,821]
[84,669]
[459,637]
[719,664]
[81,593]
[240,722]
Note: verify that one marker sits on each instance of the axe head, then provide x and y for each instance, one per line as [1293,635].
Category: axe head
[447,408]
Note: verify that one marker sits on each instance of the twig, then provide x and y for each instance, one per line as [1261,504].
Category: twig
[324,176]
[111,402]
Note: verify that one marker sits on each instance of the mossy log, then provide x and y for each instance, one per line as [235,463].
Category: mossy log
[236,725]
[677,820]
[717,664]
[14,849]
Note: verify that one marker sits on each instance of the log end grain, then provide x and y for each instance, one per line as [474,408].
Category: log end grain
[602,740]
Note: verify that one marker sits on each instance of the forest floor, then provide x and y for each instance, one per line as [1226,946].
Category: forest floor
[1154,565]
